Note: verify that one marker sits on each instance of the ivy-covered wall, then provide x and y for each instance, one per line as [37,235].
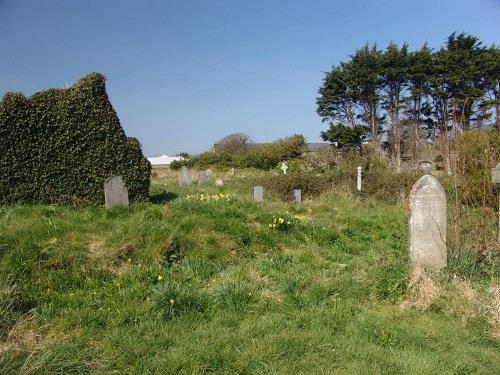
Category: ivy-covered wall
[60,145]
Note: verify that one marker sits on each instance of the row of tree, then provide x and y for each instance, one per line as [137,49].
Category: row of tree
[396,94]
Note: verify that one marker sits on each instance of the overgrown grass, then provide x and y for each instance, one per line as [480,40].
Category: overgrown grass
[189,286]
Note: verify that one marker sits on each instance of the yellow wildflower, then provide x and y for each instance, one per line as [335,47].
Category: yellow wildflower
[172,301]
[159,278]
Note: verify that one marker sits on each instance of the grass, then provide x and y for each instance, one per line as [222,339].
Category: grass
[189,286]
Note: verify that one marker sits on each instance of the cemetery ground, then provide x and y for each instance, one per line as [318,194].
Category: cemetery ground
[207,284]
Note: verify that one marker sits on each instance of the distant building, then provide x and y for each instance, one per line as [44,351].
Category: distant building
[162,160]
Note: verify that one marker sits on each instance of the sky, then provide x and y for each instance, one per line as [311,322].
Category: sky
[182,74]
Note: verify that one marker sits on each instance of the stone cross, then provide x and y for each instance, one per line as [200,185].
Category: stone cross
[427,224]
[495,178]
[184,177]
[202,178]
[219,182]
[359,179]
[297,195]
[115,192]
[284,167]
[258,193]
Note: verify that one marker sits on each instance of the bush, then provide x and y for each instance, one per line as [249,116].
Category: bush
[260,156]
[281,187]
[60,145]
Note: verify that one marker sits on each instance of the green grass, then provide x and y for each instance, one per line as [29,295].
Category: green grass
[183,286]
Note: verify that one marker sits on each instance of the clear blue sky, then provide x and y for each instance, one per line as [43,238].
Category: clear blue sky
[182,74]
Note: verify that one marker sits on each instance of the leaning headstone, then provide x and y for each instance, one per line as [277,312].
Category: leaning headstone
[219,182]
[202,178]
[115,192]
[427,224]
[258,193]
[297,195]
[184,177]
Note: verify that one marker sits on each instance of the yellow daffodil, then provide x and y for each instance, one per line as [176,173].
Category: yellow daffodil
[159,278]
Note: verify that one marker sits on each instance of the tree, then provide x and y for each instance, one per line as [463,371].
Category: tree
[343,136]
[233,143]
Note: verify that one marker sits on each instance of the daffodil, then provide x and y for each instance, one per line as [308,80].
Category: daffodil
[172,301]
[159,278]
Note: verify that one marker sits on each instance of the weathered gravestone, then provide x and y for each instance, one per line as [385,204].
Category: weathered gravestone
[202,178]
[358,184]
[115,192]
[427,224]
[258,193]
[297,195]
[219,182]
[495,178]
[184,177]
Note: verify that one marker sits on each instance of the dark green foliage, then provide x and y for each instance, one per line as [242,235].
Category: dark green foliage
[261,156]
[343,136]
[60,145]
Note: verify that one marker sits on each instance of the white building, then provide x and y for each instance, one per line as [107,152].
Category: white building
[162,160]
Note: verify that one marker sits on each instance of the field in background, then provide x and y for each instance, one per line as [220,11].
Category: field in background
[208,285]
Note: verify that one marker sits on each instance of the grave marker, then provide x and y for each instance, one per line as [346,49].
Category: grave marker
[427,223]
[219,182]
[184,177]
[258,193]
[115,192]
[202,178]
[297,195]
[359,179]
[495,178]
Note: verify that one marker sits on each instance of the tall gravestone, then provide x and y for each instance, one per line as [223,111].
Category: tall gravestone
[297,195]
[202,178]
[495,178]
[427,224]
[184,177]
[258,193]
[115,192]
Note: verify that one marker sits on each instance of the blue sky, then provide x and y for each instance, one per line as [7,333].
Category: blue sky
[182,74]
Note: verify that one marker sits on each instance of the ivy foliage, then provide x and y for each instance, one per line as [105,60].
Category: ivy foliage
[60,145]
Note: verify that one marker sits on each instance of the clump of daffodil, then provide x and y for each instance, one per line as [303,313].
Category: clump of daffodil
[204,197]
[284,222]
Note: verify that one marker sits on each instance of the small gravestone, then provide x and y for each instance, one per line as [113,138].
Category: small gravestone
[184,177]
[202,178]
[258,193]
[358,185]
[495,178]
[427,224]
[219,182]
[115,192]
[297,195]
[231,172]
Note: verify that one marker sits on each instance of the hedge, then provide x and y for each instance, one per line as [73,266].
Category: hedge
[60,145]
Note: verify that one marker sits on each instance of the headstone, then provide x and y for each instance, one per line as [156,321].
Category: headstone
[427,224]
[231,172]
[209,172]
[184,177]
[297,195]
[219,182]
[425,165]
[284,167]
[258,193]
[202,178]
[359,179]
[115,192]
[495,178]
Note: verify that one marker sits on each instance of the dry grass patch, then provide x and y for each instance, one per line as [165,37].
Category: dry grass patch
[423,290]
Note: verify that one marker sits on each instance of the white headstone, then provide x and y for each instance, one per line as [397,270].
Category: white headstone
[184,177]
[297,195]
[258,193]
[219,182]
[359,179]
[427,224]
[495,178]
[115,192]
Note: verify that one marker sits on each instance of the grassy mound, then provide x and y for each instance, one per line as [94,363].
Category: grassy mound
[206,283]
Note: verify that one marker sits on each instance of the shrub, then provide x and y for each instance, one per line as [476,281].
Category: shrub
[260,156]
[60,145]
[282,186]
